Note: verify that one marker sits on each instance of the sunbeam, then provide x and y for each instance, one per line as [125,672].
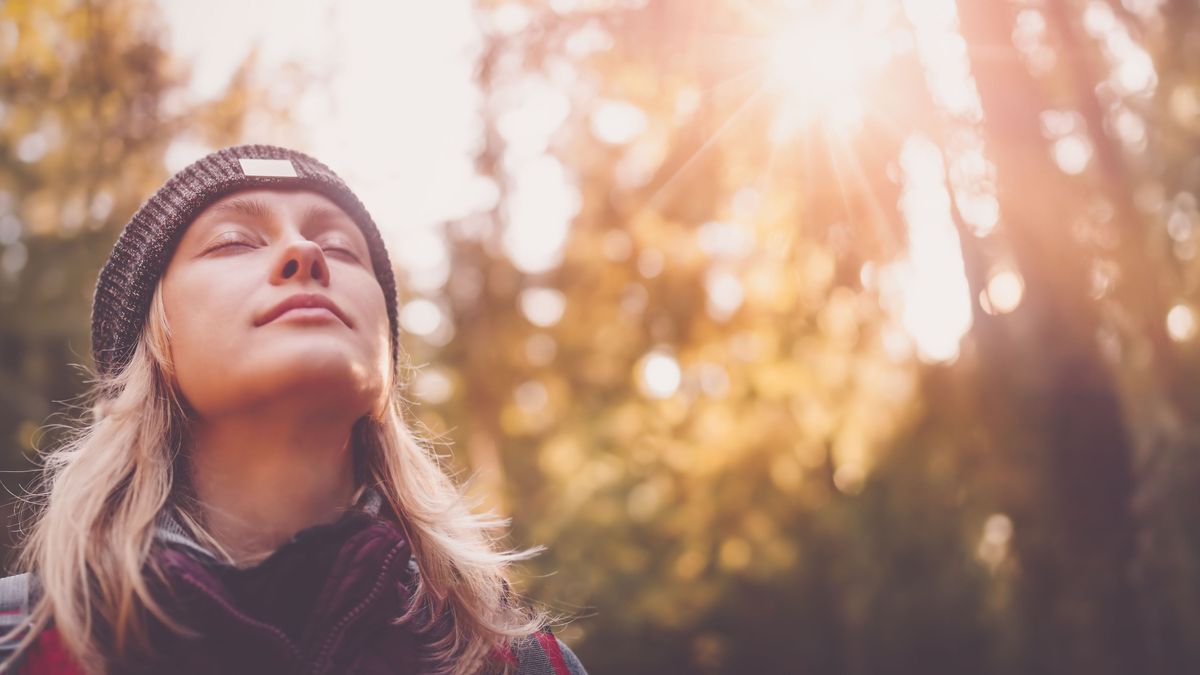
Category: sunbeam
[662,190]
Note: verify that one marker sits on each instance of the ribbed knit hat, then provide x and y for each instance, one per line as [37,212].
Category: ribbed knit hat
[126,284]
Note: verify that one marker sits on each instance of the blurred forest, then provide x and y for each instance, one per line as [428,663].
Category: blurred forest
[870,346]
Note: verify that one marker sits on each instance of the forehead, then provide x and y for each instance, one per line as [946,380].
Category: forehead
[267,203]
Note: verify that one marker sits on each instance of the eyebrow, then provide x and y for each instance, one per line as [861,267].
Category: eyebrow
[254,208]
[249,208]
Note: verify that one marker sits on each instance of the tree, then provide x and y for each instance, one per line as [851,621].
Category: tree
[91,102]
[780,522]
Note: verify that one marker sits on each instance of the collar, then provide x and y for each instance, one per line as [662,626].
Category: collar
[318,596]
[168,530]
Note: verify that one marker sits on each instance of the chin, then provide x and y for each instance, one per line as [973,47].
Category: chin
[322,379]
[323,373]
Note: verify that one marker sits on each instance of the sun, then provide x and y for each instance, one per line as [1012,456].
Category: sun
[817,60]
[826,63]
[821,67]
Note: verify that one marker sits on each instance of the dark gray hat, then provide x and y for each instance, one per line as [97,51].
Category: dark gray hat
[126,285]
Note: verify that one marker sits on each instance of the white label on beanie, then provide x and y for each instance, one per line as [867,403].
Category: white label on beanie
[267,167]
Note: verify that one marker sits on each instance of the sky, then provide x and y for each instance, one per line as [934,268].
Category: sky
[401,125]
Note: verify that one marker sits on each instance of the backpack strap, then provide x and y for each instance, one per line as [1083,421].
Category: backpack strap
[17,595]
[544,654]
[46,655]
[15,592]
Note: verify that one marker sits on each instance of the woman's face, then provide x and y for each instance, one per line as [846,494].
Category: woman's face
[271,297]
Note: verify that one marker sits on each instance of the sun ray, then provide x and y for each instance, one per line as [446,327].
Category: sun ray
[878,214]
[838,180]
[807,145]
[733,79]
[654,200]
[768,180]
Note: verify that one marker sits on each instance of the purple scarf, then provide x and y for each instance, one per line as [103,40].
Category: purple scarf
[323,602]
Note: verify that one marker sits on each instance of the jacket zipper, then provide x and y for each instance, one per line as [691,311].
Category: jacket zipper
[246,620]
[325,652]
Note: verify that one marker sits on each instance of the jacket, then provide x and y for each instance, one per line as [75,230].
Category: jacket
[322,603]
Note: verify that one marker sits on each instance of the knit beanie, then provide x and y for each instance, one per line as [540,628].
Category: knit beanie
[126,284]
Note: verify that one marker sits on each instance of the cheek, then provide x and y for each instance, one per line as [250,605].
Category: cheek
[381,330]
[374,329]
[204,320]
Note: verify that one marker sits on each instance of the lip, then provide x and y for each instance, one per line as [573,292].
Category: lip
[303,301]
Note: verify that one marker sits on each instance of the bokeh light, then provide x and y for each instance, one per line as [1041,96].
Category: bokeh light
[1005,288]
[1181,323]
[658,374]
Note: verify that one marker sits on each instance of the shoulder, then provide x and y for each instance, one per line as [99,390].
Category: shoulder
[544,654]
[18,593]
[539,654]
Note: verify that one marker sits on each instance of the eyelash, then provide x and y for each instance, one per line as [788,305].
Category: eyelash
[227,242]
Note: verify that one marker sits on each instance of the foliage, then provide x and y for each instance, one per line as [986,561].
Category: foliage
[91,102]
[810,497]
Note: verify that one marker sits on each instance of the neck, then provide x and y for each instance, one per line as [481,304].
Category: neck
[261,476]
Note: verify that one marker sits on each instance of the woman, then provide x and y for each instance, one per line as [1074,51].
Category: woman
[248,497]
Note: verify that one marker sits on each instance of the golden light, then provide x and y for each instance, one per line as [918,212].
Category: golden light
[848,479]
[531,396]
[818,58]
[618,122]
[1004,291]
[543,307]
[658,375]
[826,62]
[932,296]
[735,554]
[821,64]
[424,318]
[724,293]
[1073,153]
[433,385]
[420,317]
[1181,323]
[993,545]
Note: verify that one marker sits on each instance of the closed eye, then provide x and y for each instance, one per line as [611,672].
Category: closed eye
[231,240]
[345,252]
[228,240]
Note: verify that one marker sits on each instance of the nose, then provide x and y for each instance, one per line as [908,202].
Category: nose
[301,260]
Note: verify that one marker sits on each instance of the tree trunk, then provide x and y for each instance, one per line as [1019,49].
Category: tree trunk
[1074,537]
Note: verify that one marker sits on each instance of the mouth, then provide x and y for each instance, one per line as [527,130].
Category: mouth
[307,304]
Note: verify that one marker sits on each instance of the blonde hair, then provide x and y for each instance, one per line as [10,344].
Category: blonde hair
[104,488]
